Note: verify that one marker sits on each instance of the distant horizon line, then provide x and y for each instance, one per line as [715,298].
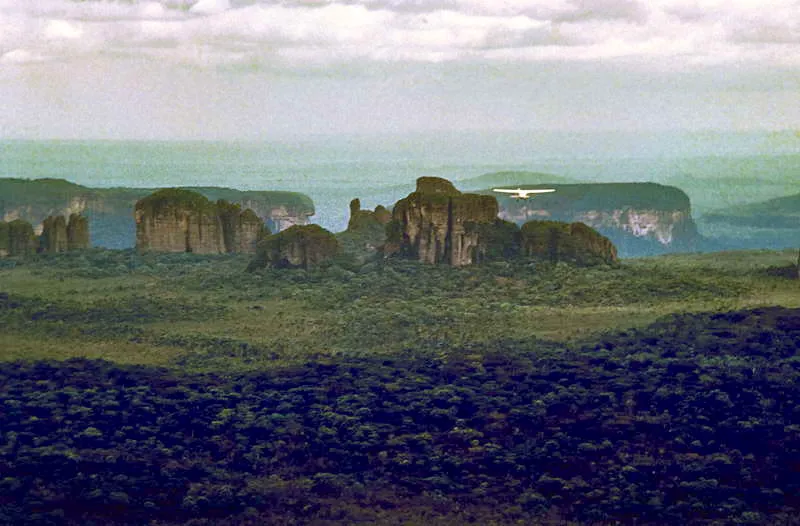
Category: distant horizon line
[415,133]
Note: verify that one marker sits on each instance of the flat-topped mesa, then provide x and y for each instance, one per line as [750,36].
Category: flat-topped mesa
[17,239]
[110,211]
[437,223]
[299,246]
[179,220]
[570,242]
[639,218]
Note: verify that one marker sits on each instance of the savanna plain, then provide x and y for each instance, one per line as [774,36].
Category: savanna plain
[183,389]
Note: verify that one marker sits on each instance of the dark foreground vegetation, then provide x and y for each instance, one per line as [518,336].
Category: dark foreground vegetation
[693,419]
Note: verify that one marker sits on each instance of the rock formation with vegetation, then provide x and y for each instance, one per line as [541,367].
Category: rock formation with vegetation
[241,230]
[179,220]
[17,238]
[571,242]
[58,235]
[54,235]
[366,231]
[77,232]
[110,211]
[639,218]
[296,247]
[439,224]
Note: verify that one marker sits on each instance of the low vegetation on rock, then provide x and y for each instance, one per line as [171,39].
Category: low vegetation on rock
[298,246]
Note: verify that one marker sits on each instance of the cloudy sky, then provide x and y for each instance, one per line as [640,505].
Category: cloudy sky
[252,69]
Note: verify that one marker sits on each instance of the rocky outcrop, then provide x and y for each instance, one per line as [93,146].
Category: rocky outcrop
[366,231]
[571,242]
[77,232]
[296,247]
[179,220]
[17,239]
[60,236]
[241,230]
[110,211]
[438,224]
[367,219]
[4,240]
[639,218]
[54,235]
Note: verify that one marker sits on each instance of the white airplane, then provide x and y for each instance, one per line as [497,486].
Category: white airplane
[519,193]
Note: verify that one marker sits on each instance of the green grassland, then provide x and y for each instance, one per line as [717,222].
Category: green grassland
[206,313]
[180,389]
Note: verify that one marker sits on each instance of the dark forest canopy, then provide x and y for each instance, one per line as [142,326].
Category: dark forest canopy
[693,419]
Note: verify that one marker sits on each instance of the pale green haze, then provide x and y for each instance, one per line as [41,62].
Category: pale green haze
[715,169]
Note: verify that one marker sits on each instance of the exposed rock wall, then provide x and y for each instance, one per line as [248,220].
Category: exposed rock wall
[78,232]
[54,235]
[110,211]
[178,220]
[296,247]
[17,238]
[366,231]
[58,235]
[558,241]
[639,218]
[436,223]
[241,230]
[366,219]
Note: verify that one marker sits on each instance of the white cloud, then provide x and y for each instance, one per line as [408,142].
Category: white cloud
[291,33]
[210,7]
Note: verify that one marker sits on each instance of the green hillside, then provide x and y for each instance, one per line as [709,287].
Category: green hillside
[515,178]
[779,213]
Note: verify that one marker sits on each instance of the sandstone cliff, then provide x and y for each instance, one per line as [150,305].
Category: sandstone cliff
[639,218]
[77,232]
[438,224]
[54,235]
[296,247]
[179,220]
[59,236]
[17,238]
[574,243]
[110,211]
[241,230]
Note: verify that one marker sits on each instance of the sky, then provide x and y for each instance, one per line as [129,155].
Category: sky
[260,69]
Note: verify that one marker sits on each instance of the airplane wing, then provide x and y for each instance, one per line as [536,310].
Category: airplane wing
[505,191]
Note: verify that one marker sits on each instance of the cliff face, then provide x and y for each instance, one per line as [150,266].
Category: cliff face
[437,223]
[59,236]
[296,247]
[557,241]
[241,230]
[77,232]
[179,220]
[17,238]
[54,235]
[110,211]
[640,218]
